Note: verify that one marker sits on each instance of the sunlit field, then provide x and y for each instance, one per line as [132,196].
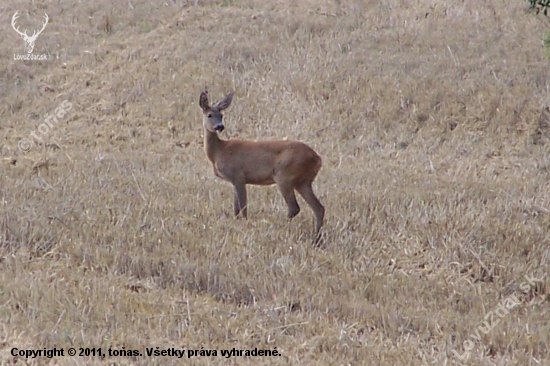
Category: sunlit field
[433,122]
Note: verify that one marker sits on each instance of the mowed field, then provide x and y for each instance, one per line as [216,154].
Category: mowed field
[433,122]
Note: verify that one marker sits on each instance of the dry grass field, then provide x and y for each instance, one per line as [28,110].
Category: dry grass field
[433,122]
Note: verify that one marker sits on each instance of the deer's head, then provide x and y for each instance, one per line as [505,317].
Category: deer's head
[212,117]
[29,40]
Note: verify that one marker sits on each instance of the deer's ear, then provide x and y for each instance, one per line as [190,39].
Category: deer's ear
[225,102]
[203,101]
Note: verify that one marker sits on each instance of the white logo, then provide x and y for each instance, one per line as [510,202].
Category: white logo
[29,40]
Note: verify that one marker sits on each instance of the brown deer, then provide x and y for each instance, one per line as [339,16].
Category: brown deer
[292,165]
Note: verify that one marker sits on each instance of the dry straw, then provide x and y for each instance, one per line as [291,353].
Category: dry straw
[432,122]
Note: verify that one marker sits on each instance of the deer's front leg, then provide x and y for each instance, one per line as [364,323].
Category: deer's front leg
[240,200]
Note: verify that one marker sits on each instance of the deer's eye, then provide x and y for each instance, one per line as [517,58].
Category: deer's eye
[209,115]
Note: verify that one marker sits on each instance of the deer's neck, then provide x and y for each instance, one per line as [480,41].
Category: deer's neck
[212,144]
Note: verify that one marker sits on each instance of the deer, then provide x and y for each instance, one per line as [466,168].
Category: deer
[29,41]
[291,165]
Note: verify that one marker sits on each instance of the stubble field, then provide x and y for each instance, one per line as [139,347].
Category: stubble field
[433,123]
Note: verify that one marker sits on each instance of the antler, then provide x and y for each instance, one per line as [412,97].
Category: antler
[13,19]
[24,34]
[37,32]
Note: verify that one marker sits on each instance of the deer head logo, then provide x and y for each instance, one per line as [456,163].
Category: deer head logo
[29,41]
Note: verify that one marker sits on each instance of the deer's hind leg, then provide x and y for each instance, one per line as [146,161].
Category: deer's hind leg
[306,191]
[287,191]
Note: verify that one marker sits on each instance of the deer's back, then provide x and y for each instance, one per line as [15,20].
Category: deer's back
[259,161]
